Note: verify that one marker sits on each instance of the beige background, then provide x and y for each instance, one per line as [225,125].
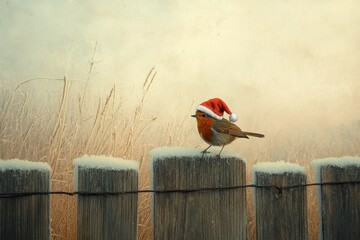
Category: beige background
[281,65]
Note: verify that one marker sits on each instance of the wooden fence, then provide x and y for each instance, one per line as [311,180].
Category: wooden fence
[193,198]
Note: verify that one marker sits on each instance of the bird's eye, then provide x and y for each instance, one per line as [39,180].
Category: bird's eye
[203,115]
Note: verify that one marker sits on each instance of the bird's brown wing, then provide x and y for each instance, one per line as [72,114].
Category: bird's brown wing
[224,126]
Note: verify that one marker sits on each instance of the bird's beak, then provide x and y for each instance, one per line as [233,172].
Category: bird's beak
[193,116]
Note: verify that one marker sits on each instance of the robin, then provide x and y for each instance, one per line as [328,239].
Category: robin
[214,129]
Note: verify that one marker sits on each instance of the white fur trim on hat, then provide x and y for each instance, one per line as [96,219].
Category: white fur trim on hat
[233,117]
[207,111]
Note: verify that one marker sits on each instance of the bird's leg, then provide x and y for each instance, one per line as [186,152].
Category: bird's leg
[221,150]
[204,152]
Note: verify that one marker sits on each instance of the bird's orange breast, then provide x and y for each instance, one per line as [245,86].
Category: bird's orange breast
[204,128]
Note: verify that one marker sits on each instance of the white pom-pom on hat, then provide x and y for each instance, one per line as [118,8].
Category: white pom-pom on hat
[233,117]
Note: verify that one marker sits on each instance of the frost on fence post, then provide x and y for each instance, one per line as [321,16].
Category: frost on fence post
[213,214]
[106,216]
[280,216]
[339,203]
[26,217]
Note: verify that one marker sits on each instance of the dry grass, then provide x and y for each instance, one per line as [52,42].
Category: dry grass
[71,130]
[37,131]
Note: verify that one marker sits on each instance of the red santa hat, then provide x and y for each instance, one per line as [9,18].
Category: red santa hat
[215,108]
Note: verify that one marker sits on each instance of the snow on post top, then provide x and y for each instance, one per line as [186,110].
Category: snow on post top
[24,165]
[278,167]
[341,162]
[104,162]
[180,152]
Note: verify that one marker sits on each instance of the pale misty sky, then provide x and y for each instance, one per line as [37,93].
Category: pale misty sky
[298,61]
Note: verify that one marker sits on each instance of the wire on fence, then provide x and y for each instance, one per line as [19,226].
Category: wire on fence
[280,190]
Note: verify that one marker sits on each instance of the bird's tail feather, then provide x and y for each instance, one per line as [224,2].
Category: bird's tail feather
[254,134]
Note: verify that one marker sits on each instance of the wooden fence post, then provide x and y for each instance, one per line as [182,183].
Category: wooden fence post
[280,215]
[106,216]
[339,204]
[26,217]
[213,214]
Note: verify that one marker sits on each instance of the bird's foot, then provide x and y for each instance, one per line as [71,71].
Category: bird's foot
[220,151]
[203,153]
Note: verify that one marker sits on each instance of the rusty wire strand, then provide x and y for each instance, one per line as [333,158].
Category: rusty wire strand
[280,190]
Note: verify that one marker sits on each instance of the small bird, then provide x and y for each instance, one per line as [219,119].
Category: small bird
[214,129]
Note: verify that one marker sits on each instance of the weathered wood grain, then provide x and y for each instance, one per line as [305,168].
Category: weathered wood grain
[215,214]
[280,216]
[25,217]
[109,216]
[340,204]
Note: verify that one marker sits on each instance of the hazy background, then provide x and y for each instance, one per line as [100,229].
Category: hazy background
[283,66]
[289,69]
